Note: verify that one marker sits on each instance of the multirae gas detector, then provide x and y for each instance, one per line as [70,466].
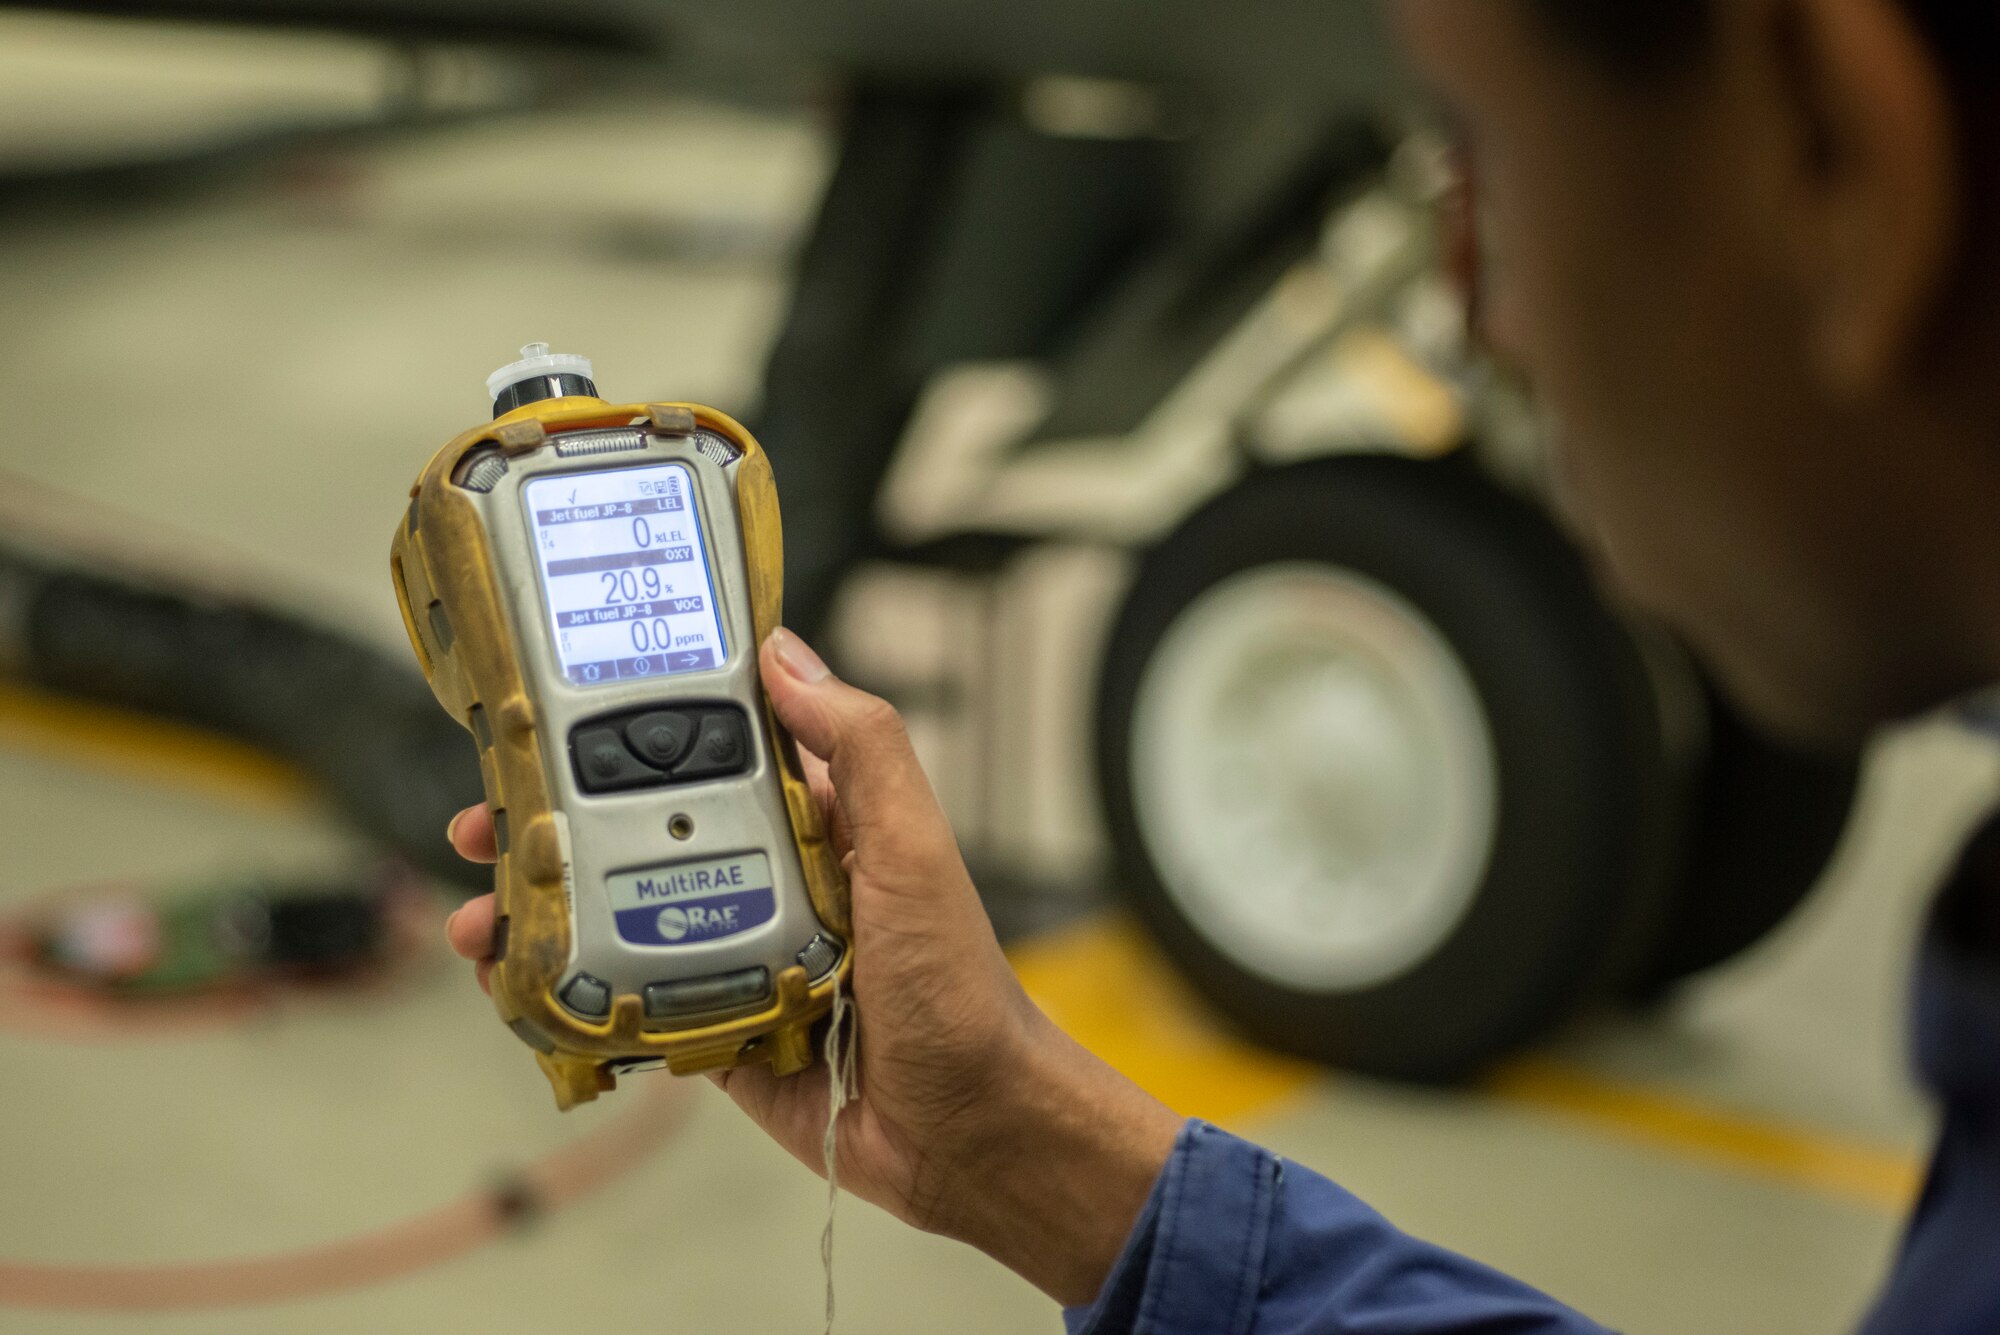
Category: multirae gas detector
[586,586]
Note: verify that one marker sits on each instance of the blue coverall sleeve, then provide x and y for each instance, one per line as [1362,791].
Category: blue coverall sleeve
[1234,1240]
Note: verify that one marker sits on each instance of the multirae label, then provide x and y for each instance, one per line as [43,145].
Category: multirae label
[690,902]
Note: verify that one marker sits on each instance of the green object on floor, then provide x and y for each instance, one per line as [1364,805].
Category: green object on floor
[202,937]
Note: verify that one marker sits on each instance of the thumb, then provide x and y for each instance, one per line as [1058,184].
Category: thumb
[861,738]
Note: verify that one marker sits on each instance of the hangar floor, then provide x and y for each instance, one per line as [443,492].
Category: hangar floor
[246,378]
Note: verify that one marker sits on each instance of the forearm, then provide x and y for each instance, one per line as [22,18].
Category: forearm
[1062,1170]
[1235,1242]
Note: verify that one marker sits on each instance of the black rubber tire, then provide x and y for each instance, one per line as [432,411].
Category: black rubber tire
[1764,822]
[359,721]
[1577,880]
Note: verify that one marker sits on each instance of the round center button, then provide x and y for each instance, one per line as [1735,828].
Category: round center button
[660,738]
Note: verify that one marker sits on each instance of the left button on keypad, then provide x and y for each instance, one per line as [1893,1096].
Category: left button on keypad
[604,764]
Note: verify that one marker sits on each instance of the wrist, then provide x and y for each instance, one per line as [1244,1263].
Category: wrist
[1058,1167]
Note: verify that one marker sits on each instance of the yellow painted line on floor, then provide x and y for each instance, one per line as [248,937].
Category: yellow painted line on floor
[1814,1161]
[1105,985]
[143,749]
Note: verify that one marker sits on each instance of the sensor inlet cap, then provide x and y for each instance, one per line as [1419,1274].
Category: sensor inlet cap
[539,375]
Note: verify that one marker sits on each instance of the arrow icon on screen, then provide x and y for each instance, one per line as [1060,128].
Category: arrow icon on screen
[682,662]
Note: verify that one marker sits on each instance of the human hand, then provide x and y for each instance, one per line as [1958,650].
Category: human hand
[977,1117]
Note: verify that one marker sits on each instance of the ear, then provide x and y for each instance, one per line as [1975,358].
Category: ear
[1875,190]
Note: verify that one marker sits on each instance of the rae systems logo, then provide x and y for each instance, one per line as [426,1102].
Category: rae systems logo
[692,902]
[700,921]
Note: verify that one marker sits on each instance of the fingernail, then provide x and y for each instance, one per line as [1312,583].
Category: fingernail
[798,657]
[450,919]
[451,830]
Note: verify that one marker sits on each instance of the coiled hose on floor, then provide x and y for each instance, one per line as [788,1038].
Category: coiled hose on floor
[365,727]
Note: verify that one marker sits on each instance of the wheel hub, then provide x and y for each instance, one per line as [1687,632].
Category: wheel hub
[1314,776]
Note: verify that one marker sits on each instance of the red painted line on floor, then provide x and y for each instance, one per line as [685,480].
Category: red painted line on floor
[417,1243]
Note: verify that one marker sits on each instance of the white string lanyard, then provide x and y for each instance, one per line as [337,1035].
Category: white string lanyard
[843,1034]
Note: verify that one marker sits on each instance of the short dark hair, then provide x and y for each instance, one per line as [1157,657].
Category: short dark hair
[1966,36]
[1651,40]
[1657,36]
[1635,36]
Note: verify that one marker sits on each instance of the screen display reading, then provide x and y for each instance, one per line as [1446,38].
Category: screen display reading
[624,569]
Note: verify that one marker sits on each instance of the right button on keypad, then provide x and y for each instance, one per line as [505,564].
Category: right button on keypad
[721,746]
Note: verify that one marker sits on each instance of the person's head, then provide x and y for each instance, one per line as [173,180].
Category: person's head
[1748,251]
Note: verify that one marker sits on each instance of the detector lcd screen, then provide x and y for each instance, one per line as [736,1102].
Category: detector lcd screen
[625,574]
